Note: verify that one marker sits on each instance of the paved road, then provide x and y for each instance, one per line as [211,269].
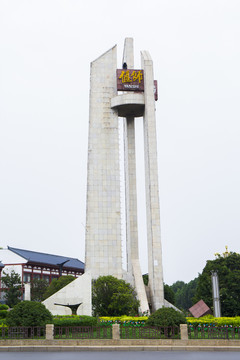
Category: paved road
[119,355]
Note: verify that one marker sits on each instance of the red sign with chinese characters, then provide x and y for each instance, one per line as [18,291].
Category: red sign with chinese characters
[130,80]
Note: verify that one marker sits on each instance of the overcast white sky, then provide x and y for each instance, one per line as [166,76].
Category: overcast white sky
[46,47]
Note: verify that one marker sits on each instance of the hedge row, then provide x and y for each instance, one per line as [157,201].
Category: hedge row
[205,320]
[75,320]
[211,320]
[123,320]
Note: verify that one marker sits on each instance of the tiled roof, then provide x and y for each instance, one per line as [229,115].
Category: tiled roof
[48,259]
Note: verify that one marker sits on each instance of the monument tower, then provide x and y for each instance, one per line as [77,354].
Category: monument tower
[127,93]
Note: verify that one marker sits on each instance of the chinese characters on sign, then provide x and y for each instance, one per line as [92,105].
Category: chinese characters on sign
[133,80]
[130,80]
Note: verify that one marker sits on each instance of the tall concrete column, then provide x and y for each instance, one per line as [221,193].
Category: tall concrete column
[130,192]
[155,271]
[130,171]
[103,220]
[134,274]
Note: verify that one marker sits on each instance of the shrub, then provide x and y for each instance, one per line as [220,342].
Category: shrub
[38,289]
[74,320]
[127,321]
[3,314]
[166,317]
[29,313]
[211,320]
[11,287]
[58,284]
[113,297]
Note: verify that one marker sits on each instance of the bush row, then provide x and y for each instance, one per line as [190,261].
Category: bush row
[126,321]
[123,320]
[75,320]
[211,320]
[203,321]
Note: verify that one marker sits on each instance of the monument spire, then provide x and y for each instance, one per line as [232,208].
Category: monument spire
[126,93]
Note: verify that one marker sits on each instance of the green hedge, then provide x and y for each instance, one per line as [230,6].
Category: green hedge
[140,321]
[74,320]
[211,320]
[123,320]
[29,313]
[3,314]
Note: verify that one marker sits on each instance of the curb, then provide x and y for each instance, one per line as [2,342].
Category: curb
[116,348]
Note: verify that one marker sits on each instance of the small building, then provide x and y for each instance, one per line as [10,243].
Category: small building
[36,265]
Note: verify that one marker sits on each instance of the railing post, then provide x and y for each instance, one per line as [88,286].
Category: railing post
[184,331]
[49,331]
[116,332]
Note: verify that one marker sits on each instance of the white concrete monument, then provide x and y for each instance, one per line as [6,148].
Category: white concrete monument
[128,93]
[77,293]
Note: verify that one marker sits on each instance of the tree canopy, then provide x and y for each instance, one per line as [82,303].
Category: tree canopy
[184,293]
[169,294]
[38,289]
[166,317]
[12,283]
[228,268]
[58,284]
[113,297]
[29,313]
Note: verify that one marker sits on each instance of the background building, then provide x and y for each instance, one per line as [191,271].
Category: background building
[36,265]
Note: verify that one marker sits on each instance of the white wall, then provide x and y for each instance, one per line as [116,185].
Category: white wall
[9,257]
[79,290]
[16,268]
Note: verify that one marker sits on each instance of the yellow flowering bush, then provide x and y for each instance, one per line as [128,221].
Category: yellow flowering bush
[210,320]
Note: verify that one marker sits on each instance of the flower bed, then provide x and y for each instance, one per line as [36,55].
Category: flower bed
[126,321]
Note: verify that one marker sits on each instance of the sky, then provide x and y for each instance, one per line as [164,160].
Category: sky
[46,48]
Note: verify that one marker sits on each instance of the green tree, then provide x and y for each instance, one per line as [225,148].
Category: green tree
[166,317]
[12,283]
[38,289]
[58,284]
[184,293]
[169,294]
[228,268]
[113,297]
[29,313]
